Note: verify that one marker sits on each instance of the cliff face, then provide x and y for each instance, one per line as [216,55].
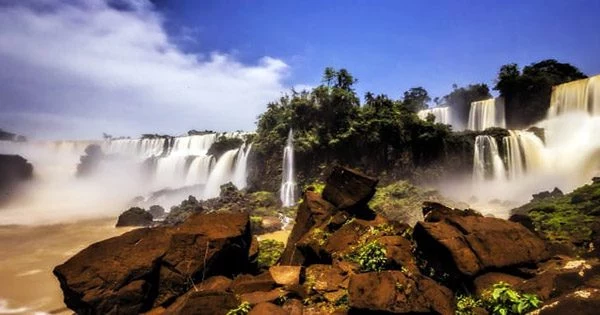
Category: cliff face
[14,170]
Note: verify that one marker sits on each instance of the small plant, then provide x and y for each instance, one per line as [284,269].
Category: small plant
[370,256]
[319,236]
[465,305]
[242,309]
[269,252]
[501,299]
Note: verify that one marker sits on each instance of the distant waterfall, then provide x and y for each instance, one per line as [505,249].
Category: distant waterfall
[524,153]
[581,95]
[288,179]
[487,163]
[221,174]
[485,114]
[240,173]
[442,114]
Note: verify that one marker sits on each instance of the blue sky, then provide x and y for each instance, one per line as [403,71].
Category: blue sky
[75,69]
[393,45]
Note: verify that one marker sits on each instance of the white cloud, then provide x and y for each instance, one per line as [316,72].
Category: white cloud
[75,71]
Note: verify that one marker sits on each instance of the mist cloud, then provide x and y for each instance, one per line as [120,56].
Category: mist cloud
[75,69]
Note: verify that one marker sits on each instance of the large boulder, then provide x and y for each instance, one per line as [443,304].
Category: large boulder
[396,292]
[472,244]
[14,170]
[348,189]
[135,217]
[585,301]
[151,267]
[203,302]
[312,211]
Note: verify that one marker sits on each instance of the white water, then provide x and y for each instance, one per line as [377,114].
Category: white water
[485,114]
[581,95]
[487,164]
[56,195]
[288,178]
[442,114]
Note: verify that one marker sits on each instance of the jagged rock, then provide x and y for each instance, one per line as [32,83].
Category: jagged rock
[470,245]
[180,213]
[435,212]
[248,283]
[311,212]
[150,267]
[585,301]
[524,220]
[135,217]
[90,162]
[350,190]
[547,194]
[14,170]
[396,292]
[203,302]
[157,211]
[325,278]
[257,297]
[487,280]
[285,275]
[267,309]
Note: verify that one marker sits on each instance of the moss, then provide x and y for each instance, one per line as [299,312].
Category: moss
[269,252]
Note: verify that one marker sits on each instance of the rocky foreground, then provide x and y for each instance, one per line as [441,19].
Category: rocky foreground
[341,257]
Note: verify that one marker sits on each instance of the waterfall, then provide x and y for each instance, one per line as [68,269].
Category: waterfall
[199,170]
[485,114]
[487,163]
[524,153]
[221,174]
[240,172]
[442,114]
[288,179]
[581,95]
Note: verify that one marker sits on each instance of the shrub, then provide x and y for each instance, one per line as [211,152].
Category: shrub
[465,305]
[242,309]
[269,252]
[370,256]
[501,299]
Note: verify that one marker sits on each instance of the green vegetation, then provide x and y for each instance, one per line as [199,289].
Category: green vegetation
[567,218]
[319,236]
[466,305]
[501,299]
[242,309]
[370,256]
[269,252]
[224,144]
[527,92]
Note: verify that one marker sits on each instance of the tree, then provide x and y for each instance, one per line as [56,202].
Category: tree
[416,99]
[460,99]
[527,93]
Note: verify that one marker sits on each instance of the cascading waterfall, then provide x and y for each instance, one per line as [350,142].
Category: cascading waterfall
[442,114]
[221,174]
[581,95]
[288,179]
[240,173]
[487,163]
[485,114]
[524,153]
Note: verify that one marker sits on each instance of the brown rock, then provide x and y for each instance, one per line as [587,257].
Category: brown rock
[585,301]
[248,283]
[325,278]
[151,267]
[267,309]
[473,244]
[395,292]
[487,280]
[285,275]
[348,189]
[262,296]
[293,306]
[435,212]
[216,283]
[312,211]
[203,302]
[135,217]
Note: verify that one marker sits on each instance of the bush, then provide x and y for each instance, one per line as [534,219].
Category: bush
[242,309]
[501,299]
[465,305]
[370,256]
[269,252]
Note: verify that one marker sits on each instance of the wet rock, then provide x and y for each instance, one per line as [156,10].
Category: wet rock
[150,267]
[135,217]
[395,292]
[470,245]
[267,309]
[350,190]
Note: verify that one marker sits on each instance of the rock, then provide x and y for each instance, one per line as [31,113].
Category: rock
[470,245]
[135,217]
[395,292]
[267,309]
[157,211]
[180,213]
[585,301]
[15,170]
[435,212]
[312,211]
[547,194]
[203,302]
[524,220]
[257,297]
[285,275]
[90,162]
[248,283]
[293,306]
[216,283]
[325,278]
[150,267]
[348,189]
[487,280]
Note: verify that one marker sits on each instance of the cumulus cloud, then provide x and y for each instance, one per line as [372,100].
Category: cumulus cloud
[75,69]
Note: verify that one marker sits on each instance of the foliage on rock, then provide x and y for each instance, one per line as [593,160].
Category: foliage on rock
[370,256]
[269,252]
[242,309]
